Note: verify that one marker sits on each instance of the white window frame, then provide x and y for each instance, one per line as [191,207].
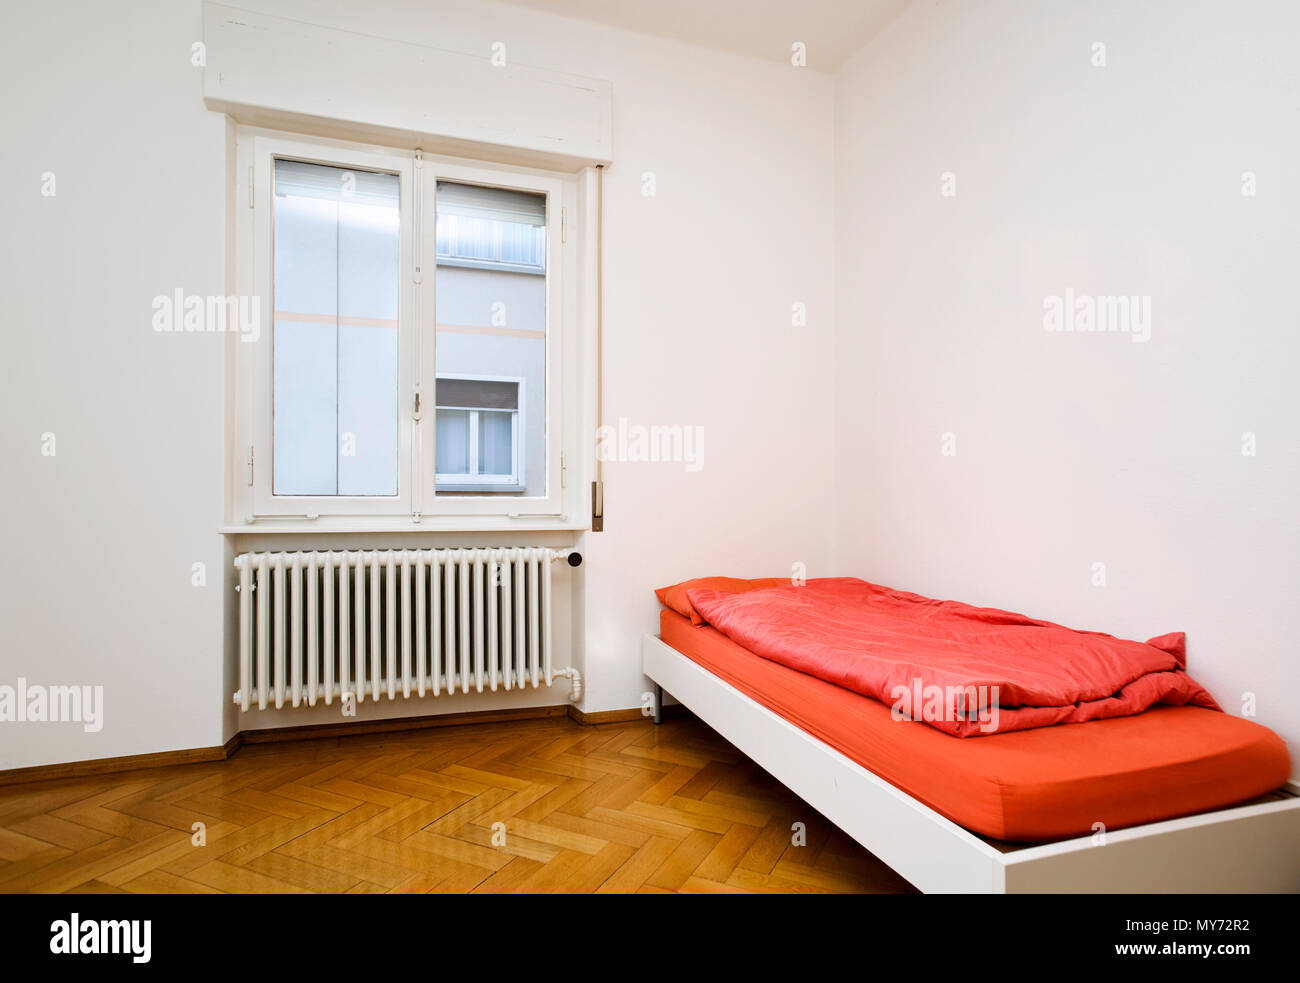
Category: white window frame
[518,475]
[252,451]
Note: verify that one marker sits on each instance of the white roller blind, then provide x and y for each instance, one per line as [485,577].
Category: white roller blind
[474,201]
[298,179]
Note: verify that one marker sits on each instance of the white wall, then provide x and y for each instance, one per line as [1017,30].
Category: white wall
[1074,449]
[100,538]
[699,284]
[700,280]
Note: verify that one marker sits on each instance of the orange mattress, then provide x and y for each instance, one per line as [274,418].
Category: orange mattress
[1033,785]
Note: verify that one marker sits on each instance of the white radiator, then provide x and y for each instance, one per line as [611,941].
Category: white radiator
[324,625]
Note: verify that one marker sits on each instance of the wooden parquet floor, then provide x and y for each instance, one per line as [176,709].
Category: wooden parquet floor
[545,806]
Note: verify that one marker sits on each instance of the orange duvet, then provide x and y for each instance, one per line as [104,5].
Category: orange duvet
[1044,783]
[966,670]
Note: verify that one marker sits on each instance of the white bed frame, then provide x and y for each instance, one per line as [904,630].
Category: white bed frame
[1251,848]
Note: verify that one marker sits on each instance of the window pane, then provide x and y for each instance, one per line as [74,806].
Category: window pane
[522,244]
[367,410]
[305,399]
[337,285]
[491,324]
[453,442]
[466,238]
[495,455]
[369,258]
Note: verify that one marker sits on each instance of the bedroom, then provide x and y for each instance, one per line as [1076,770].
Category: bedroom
[810,253]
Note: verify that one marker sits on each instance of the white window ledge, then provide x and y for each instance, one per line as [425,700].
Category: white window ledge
[281,525]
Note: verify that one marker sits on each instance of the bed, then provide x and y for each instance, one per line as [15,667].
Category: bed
[1175,798]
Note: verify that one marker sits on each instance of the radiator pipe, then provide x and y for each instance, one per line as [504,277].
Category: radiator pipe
[572,557]
[575,678]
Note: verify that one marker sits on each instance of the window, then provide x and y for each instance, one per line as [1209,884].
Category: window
[478,434]
[417,322]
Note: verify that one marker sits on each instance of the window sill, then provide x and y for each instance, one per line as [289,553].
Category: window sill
[388,524]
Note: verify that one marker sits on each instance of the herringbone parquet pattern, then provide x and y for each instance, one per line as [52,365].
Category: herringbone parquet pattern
[532,806]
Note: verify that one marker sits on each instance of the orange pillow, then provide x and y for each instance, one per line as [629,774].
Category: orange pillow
[674,597]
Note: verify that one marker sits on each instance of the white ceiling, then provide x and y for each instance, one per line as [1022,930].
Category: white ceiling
[832,30]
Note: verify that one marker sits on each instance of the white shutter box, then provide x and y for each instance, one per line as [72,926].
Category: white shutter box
[270,71]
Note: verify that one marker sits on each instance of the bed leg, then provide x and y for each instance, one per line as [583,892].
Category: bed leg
[659,704]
